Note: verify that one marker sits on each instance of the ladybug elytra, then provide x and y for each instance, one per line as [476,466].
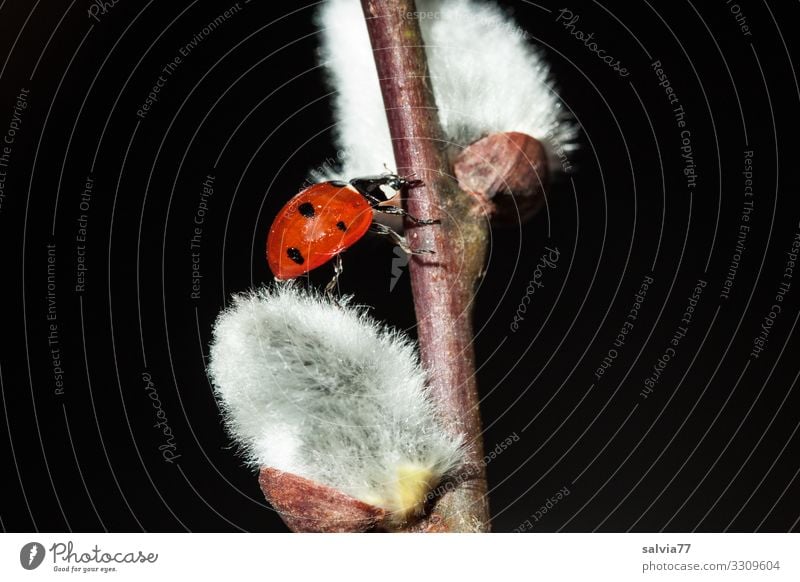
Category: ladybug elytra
[323,220]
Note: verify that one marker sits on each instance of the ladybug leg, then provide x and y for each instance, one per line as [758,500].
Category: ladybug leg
[403,212]
[370,186]
[398,240]
[338,267]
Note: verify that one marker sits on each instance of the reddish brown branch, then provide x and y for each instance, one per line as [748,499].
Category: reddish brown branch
[443,284]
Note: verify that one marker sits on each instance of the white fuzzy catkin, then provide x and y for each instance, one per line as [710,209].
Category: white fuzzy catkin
[320,389]
[486,78]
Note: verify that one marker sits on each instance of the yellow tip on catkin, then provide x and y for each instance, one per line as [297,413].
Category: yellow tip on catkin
[411,486]
[405,495]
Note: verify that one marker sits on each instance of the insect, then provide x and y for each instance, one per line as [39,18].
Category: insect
[325,219]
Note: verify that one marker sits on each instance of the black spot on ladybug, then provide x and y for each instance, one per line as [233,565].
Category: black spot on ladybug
[295,255]
[306,209]
[341,226]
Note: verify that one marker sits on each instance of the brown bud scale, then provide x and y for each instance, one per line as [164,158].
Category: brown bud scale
[508,174]
[307,506]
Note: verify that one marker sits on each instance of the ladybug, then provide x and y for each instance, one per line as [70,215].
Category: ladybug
[325,219]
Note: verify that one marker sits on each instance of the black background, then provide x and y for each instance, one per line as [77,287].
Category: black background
[714,447]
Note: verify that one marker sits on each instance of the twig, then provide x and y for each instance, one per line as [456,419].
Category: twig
[443,284]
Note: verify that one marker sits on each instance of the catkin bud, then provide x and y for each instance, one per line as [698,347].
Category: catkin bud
[331,406]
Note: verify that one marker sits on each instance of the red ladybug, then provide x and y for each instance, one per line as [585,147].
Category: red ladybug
[323,220]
